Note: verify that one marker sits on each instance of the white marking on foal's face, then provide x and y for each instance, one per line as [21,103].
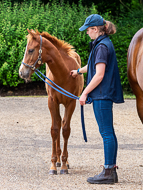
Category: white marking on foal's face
[24,54]
[24,72]
[21,66]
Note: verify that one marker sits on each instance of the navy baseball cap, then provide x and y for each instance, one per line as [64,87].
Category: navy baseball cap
[92,20]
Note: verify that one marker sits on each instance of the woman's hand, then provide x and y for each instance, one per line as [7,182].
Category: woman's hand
[82,99]
[74,73]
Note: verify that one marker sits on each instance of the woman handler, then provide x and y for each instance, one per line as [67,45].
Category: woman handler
[104,87]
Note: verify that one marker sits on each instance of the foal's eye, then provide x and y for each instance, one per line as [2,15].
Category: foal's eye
[30,50]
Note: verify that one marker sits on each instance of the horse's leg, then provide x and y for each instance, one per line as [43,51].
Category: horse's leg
[58,163]
[139,103]
[69,109]
[67,163]
[139,97]
[55,130]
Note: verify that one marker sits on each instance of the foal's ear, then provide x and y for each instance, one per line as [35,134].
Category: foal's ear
[32,32]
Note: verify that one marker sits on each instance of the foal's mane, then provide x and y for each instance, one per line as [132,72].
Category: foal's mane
[59,44]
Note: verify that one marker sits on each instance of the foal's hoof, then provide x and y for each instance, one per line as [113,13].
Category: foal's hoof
[53,172]
[63,171]
[58,164]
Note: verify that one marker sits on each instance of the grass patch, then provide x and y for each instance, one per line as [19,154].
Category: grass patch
[129,96]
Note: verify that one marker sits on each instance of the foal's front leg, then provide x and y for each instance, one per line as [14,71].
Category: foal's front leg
[69,109]
[55,133]
[58,150]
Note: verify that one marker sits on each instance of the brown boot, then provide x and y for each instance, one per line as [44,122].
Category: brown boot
[107,176]
[115,174]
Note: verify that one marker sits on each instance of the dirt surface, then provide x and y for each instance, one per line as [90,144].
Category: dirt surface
[25,147]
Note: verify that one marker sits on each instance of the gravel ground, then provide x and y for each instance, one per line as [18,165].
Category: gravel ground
[25,147]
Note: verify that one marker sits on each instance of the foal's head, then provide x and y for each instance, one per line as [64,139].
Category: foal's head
[30,56]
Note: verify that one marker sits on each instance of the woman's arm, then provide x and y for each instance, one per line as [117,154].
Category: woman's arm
[81,70]
[98,77]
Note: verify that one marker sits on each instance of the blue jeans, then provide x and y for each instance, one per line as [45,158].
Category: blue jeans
[104,117]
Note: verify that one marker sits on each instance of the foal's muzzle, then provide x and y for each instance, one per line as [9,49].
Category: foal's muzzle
[24,72]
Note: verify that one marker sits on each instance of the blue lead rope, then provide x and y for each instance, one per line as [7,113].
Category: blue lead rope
[83,124]
[68,94]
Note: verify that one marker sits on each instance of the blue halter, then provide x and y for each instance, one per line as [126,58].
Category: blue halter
[58,89]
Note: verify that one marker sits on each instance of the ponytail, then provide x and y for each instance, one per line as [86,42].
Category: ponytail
[108,28]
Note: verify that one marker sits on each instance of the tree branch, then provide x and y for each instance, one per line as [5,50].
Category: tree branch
[125,5]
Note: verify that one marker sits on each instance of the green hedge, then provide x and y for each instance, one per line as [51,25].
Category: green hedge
[61,21]
[127,26]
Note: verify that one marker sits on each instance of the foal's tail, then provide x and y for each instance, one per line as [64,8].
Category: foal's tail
[76,57]
[47,75]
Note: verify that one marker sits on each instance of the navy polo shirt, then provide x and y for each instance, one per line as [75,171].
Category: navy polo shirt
[101,54]
[110,87]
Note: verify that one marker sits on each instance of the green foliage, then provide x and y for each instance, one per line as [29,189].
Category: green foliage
[127,26]
[137,4]
[62,21]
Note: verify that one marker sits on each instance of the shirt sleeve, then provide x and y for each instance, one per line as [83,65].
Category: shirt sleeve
[101,54]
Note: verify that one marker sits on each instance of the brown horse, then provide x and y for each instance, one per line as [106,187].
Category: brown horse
[135,69]
[60,58]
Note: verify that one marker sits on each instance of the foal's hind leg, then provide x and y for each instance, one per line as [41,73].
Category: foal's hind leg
[69,109]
